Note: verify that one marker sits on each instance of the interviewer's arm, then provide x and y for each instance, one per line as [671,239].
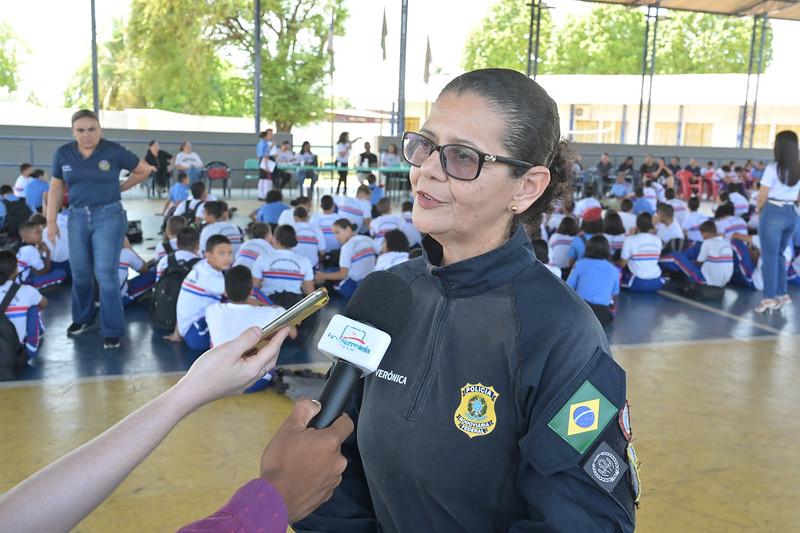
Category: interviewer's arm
[78,482]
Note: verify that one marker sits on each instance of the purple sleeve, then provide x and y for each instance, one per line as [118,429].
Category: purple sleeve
[256,507]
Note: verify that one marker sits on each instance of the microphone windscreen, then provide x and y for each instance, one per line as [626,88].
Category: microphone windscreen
[383,300]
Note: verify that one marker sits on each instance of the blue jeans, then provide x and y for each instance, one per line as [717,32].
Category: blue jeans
[95,241]
[776,225]
[194,174]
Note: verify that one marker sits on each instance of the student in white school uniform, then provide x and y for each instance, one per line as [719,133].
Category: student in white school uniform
[356,259]
[407,210]
[394,250]
[691,226]
[639,258]
[385,222]
[650,194]
[217,223]
[226,321]
[24,309]
[259,243]
[59,252]
[357,210]
[193,209]
[133,288]
[727,222]
[587,202]
[614,233]
[186,250]
[542,252]
[175,224]
[716,256]
[204,285]
[668,229]
[679,207]
[310,240]
[34,258]
[627,216]
[24,178]
[324,221]
[741,205]
[560,242]
[282,276]
[287,215]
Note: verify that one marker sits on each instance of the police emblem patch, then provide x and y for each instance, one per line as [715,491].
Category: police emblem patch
[475,415]
[625,421]
[605,467]
[636,485]
[104,165]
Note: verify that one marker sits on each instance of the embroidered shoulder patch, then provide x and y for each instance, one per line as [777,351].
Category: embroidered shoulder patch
[475,415]
[605,467]
[585,415]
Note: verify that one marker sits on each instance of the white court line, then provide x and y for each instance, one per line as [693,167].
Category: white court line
[689,342]
[720,312]
[57,382]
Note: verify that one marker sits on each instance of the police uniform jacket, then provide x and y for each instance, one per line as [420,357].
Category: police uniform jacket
[499,408]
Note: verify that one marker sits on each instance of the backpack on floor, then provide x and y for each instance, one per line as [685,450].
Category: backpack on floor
[163,312]
[17,212]
[12,354]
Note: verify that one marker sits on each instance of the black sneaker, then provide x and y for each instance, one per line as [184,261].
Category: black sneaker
[111,343]
[76,329]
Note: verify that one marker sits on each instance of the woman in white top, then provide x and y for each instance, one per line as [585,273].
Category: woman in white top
[777,196]
[343,146]
[390,158]
[189,162]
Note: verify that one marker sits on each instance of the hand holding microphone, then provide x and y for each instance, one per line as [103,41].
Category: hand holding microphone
[358,340]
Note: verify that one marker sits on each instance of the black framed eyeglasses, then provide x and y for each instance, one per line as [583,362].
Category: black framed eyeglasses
[459,161]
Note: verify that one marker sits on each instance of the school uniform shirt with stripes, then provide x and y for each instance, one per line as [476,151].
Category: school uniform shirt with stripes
[180,255]
[127,260]
[680,208]
[358,256]
[642,252]
[161,252]
[17,309]
[28,258]
[353,209]
[615,242]
[390,259]
[325,223]
[222,227]
[651,196]
[383,225]
[692,225]
[249,253]
[59,251]
[740,204]
[203,286]
[553,221]
[200,213]
[583,204]
[283,271]
[668,232]
[729,225]
[716,256]
[310,241]
[559,245]
[628,220]
[758,275]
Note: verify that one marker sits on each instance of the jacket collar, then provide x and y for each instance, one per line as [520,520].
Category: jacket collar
[484,272]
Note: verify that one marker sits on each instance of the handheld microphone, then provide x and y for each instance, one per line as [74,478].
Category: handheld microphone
[358,340]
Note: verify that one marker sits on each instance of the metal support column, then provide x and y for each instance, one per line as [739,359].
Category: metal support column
[740,144]
[530,36]
[644,73]
[536,43]
[680,126]
[95,90]
[257,63]
[401,93]
[758,76]
[652,73]
[622,126]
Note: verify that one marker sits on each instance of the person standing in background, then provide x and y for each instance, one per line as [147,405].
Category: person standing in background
[777,210]
[90,167]
[343,147]
[189,162]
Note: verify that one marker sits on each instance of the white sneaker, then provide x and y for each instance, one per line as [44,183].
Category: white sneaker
[767,304]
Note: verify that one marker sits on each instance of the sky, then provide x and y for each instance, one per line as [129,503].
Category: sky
[60,42]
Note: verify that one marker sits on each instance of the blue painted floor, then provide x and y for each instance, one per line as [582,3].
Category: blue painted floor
[641,318]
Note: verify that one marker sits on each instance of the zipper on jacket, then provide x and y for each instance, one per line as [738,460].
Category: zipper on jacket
[425,377]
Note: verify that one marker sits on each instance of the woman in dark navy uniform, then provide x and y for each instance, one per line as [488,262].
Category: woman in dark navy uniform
[499,406]
[90,167]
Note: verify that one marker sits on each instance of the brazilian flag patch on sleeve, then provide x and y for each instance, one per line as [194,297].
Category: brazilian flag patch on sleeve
[583,417]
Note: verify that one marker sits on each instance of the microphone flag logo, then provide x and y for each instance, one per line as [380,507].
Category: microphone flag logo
[475,415]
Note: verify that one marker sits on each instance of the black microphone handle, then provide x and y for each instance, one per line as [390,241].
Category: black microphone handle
[343,378]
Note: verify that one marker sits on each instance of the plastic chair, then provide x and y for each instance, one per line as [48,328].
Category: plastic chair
[689,187]
[219,171]
[250,165]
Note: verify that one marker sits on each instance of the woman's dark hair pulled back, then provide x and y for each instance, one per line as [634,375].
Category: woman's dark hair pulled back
[532,130]
[787,157]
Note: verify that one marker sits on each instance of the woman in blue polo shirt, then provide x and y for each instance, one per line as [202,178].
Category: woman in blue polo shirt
[90,167]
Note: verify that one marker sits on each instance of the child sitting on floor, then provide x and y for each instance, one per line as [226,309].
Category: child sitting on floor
[24,308]
[596,279]
[34,258]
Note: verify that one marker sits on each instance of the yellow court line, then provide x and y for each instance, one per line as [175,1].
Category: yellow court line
[720,312]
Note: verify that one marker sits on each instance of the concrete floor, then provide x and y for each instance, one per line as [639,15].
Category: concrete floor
[712,389]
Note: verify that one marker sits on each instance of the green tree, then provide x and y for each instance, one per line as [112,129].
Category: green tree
[608,40]
[294,57]
[8,58]
[501,39]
